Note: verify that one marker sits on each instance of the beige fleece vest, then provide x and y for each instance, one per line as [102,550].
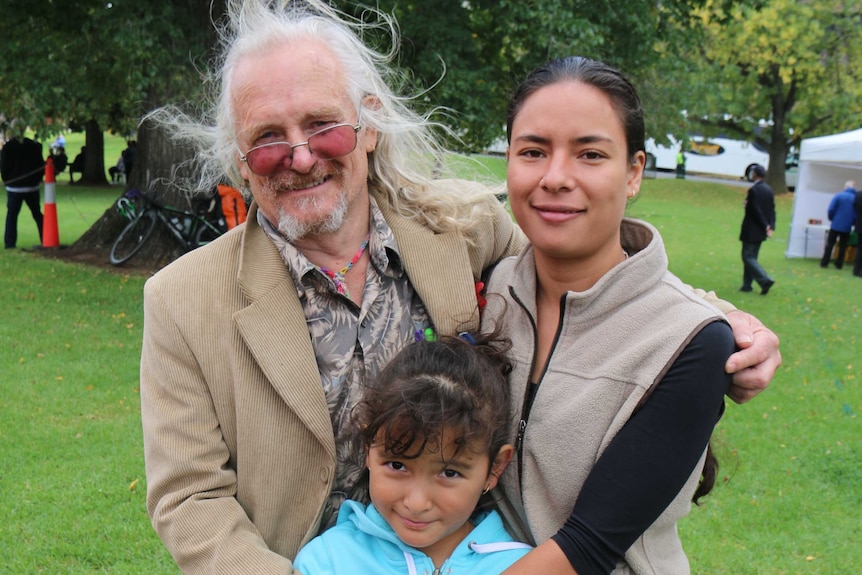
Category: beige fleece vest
[619,338]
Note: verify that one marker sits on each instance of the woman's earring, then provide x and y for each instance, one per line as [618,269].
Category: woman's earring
[487,489]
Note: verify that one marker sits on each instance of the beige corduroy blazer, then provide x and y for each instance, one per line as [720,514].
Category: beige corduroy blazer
[238,443]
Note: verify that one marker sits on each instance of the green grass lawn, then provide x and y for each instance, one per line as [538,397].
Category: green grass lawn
[791,486]
[73,487]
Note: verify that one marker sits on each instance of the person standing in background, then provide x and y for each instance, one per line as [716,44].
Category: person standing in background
[21,167]
[842,216]
[128,157]
[757,225]
[680,164]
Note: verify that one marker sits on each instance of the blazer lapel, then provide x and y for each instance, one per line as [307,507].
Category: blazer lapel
[439,269]
[274,329]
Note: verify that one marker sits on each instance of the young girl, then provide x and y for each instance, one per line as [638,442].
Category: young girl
[618,369]
[434,428]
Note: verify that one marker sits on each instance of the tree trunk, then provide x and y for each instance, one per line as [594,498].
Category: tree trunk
[782,99]
[160,165]
[775,176]
[94,160]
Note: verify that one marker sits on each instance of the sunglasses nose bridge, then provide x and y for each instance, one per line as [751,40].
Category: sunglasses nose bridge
[299,161]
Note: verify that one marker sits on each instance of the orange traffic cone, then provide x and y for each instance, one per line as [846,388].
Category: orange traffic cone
[50,231]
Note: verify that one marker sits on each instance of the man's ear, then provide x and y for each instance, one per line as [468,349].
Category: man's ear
[501,460]
[370,139]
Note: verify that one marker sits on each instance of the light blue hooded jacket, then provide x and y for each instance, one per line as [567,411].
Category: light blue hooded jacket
[362,543]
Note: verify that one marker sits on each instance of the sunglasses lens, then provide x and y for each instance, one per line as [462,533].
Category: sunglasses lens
[264,161]
[333,142]
[327,144]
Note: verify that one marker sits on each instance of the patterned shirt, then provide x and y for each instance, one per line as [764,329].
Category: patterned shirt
[352,343]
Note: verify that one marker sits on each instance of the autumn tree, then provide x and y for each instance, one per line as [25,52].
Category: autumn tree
[777,71]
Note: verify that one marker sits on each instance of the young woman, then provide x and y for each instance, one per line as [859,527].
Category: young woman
[619,373]
[434,429]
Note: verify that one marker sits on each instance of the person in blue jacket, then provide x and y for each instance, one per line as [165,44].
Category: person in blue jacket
[434,426]
[842,216]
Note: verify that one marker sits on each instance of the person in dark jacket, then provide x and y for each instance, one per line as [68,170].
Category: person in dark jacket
[77,165]
[61,160]
[842,216]
[21,167]
[757,225]
[128,157]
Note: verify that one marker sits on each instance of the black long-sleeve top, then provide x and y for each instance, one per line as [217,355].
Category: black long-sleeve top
[647,463]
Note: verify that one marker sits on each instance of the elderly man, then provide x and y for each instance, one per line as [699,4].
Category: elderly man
[256,346]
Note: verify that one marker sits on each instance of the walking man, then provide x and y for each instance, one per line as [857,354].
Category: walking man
[757,225]
[842,215]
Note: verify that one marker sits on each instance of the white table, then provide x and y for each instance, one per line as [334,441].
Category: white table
[815,240]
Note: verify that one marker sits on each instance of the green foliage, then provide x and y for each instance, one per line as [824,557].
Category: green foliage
[471,55]
[77,60]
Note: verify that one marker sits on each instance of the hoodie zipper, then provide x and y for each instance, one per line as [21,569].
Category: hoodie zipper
[532,389]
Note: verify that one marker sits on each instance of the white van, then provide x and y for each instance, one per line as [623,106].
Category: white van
[716,156]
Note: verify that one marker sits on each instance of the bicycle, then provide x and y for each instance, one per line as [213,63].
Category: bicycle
[191,229]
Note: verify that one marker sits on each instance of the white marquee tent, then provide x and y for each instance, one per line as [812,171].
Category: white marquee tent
[825,164]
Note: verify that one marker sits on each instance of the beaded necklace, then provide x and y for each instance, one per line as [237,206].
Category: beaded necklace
[338,277]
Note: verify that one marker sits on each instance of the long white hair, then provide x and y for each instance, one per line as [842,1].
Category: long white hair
[407,161]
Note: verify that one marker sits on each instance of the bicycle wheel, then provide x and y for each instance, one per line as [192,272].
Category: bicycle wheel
[205,233]
[133,237]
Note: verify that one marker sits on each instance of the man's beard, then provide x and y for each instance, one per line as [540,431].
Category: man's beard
[292,228]
[321,220]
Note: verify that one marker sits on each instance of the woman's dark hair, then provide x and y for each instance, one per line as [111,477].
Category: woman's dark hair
[456,383]
[611,81]
[707,475]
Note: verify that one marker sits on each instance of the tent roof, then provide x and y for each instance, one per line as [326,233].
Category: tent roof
[845,148]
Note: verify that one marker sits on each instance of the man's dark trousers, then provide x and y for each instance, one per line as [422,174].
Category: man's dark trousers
[842,238]
[752,271]
[14,201]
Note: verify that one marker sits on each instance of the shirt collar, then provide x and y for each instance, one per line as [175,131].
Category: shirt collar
[382,248]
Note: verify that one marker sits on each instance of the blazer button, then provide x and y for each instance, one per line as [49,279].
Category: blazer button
[324,474]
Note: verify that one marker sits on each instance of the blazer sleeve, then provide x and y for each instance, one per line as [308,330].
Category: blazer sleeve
[191,488]
[498,239]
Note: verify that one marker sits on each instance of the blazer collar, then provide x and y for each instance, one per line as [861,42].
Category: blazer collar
[438,265]
[274,330]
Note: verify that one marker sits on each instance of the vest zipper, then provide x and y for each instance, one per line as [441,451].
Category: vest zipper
[532,389]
